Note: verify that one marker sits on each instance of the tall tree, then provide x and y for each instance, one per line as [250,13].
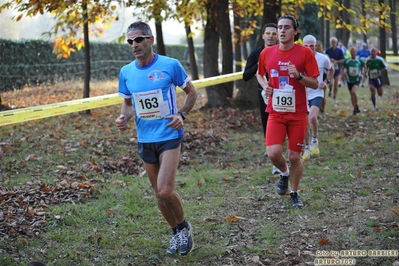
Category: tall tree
[73,19]
[393,17]
[191,53]
[271,12]
[227,45]
[215,97]
[86,90]
[187,12]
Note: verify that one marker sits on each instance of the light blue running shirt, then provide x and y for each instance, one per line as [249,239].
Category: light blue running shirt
[153,92]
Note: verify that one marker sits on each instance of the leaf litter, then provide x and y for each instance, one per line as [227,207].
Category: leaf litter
[25,209]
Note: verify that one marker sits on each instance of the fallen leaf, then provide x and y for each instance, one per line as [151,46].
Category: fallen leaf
[323,241]
[232,219]
[201,182]
[395,211]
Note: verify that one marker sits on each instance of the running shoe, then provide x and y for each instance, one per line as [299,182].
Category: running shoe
[186,244]
[306,155]
[314,148]
[174,244]
[282,185]
[296,200]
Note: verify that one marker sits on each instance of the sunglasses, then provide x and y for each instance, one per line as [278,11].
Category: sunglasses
[272,33]
[138,39]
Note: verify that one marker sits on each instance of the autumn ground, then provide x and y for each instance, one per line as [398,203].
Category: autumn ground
[73,190]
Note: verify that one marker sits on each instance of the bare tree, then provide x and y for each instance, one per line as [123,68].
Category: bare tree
[394,26]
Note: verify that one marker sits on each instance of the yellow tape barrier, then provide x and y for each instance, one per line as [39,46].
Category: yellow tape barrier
[62,108]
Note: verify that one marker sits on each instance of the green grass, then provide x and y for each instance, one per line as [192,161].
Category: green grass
[348,191]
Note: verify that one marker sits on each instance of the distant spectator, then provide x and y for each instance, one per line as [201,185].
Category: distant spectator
[337,57]
[363,53]
[342,47]
[1,153]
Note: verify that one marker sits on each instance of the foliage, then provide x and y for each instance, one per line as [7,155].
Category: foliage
[372,16]
[70,17]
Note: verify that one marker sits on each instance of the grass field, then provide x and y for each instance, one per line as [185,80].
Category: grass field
[73,190]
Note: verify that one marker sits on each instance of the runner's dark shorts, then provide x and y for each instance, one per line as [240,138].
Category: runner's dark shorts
[350,85]
[150,152]
[376,82]
[317,101]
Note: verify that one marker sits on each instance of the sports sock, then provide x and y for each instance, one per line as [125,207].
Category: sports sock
[373,100]
[174,230]
[287,172]
[182,225]
[314,139]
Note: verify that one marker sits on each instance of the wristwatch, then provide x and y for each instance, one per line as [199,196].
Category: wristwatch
[183,114]
[328,81]
[300,76]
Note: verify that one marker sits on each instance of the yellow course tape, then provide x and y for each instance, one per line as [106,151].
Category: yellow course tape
[62,108]
[393,66]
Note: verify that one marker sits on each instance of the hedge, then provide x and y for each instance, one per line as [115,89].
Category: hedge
[32,62]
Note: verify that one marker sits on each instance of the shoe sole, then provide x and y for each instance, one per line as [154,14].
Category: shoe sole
[169,253]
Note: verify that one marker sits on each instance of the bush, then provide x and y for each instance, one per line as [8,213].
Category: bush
[32,62]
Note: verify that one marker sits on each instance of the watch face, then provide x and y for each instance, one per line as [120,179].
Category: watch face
[183,114]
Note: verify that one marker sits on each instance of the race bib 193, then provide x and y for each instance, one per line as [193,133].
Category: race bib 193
[283,100]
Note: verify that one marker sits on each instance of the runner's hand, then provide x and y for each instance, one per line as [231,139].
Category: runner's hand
[121,122]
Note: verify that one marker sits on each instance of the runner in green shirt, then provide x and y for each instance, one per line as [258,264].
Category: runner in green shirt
[352,72]
[375,65]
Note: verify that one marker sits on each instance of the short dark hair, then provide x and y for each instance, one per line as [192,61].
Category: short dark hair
[269,25]
[139,25]
[295,23]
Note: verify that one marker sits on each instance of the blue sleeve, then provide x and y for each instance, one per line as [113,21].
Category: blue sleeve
[179,75]
[122,88]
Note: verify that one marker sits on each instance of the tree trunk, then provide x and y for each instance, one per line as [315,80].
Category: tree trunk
[328,35]
[227,44]
[339,31]
[394,26]
[271,13]
[345,34]
[237,43]
[244,45]
[160,43]
[215,94]
[239,84]
[86,89]
[322,31]
[191,54]
[364,14]
[383,49]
